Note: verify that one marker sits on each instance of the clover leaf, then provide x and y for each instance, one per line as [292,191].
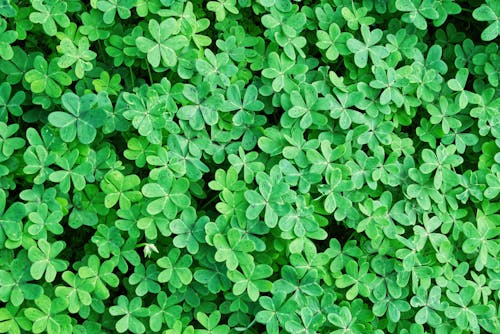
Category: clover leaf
[50,14]
[166,41]
[175,269]
[169,194]
[367,48]
[48,316]
[490,12]
[119,189]
[111,7]
[130,311]
[79,56]
[81,120]
[47,77]
[44,260]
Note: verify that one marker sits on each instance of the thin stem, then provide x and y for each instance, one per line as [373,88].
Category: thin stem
[209,202]
[132,77]
[149,72]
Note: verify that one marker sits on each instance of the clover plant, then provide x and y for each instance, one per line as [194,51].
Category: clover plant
[249,166]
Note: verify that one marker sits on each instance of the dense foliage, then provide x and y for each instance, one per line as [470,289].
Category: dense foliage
[254,166]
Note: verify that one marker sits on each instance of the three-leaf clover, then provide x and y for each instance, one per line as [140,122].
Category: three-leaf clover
[166,41]
[50,13]
[429,302]
[189,230]
[211,324]
[276,311]
[167,310]
[77,293]
[490,12]
[367,47]
[81,119]
[419,10]
[357,278]
[202,107]
[7,37]
[176,269]
[16,285]
[130,312]
[233,249]
[44,259]
[99,275]
[252,280]
[120,189]
[80,56]
[169,195]
[111,7]
[48,316]
[47,77]
[334,42]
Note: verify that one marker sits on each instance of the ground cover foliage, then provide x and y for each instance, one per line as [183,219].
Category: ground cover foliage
[253,166]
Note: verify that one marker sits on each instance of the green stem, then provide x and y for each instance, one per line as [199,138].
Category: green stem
[209,202]
[132,77]
[149,72]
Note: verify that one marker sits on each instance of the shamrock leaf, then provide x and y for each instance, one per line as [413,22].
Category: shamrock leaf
[44,259]
[307,106]
[430,304]
[480,238]
[276,311]
[16,284]
[211,323]
[105,83]
[490,12]
[357,278]
[7,37]
[419,10]
[300,285]
[175,269]
[81,120]
[202,107]
[130,312]
[217,69]
[9,144]
[108,241]
[12,318]
[442,161]
[44,222]
[10,103]
[71,173]
[280,69]
[170,195]
[111,7]
[189,230]
[367,47]
[46,77]
[493,186]
[233,249]
[334,42]
[48,14]
[220,7]
[251,280]
[165,311]
[79,56]
[214,277]
[465,315]
[77,293]
[145,279]
[49,316]
[120,189]
[458,85]
[166,41]
[99,275]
